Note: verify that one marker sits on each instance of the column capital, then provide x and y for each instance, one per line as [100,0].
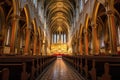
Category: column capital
[85,31]
[109,12]
[28,28]
[94,25]
[15,17]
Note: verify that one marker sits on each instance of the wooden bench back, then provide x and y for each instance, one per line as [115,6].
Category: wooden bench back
[4,74]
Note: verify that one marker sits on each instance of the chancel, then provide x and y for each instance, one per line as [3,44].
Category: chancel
[59,39]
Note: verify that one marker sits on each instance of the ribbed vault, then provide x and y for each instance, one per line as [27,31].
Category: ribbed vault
[59,14]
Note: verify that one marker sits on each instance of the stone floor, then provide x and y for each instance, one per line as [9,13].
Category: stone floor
[60,71]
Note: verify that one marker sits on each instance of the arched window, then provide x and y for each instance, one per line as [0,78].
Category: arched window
[64,38]
[8,36]
[54,38]
[81,5]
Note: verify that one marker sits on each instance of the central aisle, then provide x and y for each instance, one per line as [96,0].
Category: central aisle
[60,71]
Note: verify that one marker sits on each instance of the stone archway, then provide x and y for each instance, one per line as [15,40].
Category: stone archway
[104,17]
[100,28]
[24,30]
[7,23]
[33,37]
[21,36]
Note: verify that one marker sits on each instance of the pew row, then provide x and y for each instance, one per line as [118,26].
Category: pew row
[27,67]
[4,74]
[96,67]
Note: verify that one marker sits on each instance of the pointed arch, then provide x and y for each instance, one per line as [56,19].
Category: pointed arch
[81,30]
[95,11]
[27,14]
[34,26]
[86,22]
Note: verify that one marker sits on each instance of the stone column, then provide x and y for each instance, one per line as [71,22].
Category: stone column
[73,46]
[111,26]
[44,47]
[34,44]
[66,37]
[27,40]
[106,41]
[95,40]
[86,42]
[80,46]
[39,46]
[13,34]
[75,51]
[3,37]
[51,38]
[19,42]
[59,35]
[77,46]
[112,33]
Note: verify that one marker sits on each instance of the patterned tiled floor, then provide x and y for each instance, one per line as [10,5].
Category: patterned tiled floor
[60,71]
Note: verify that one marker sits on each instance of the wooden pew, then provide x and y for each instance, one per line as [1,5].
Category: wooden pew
[95,67]
[111,72]
[4,74]
[16,71]
[40,65]
[34,64]
[28,60]
[98,63]
[78,64]
[83,70]
[114,71]
[84,66]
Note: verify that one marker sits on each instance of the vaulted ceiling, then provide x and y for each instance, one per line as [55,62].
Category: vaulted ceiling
[59,14]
